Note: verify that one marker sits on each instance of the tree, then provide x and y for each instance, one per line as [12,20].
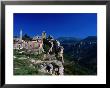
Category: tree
[46,45]
[27,37]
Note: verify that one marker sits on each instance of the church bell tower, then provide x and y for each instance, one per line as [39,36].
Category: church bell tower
[43,35]
[20,35]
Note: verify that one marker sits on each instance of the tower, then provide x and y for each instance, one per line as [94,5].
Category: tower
[20,35]
[43,35]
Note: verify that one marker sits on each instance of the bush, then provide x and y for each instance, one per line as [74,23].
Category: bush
[26,71]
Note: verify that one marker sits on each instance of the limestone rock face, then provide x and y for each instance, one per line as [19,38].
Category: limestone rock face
[49,67]
[52,60]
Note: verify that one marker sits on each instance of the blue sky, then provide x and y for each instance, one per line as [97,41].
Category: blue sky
[78,25]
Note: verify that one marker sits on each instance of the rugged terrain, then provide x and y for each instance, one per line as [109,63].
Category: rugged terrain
[80,58]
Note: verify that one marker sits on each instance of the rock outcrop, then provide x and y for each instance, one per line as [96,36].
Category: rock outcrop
[51,62]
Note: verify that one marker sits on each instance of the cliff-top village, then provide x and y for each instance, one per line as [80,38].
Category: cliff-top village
[50,48]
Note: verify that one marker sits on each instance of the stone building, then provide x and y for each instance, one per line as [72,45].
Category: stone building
[35,43]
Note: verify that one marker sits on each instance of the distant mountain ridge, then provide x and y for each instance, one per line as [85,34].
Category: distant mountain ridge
[68,39]
[73,39]
[90,39]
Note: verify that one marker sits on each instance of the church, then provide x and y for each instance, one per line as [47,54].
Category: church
[35,44]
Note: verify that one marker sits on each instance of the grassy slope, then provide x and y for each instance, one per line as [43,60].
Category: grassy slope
[22,66]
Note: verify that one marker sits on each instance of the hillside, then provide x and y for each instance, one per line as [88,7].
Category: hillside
[83,54]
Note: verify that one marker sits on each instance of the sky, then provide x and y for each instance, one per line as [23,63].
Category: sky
[79,25]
